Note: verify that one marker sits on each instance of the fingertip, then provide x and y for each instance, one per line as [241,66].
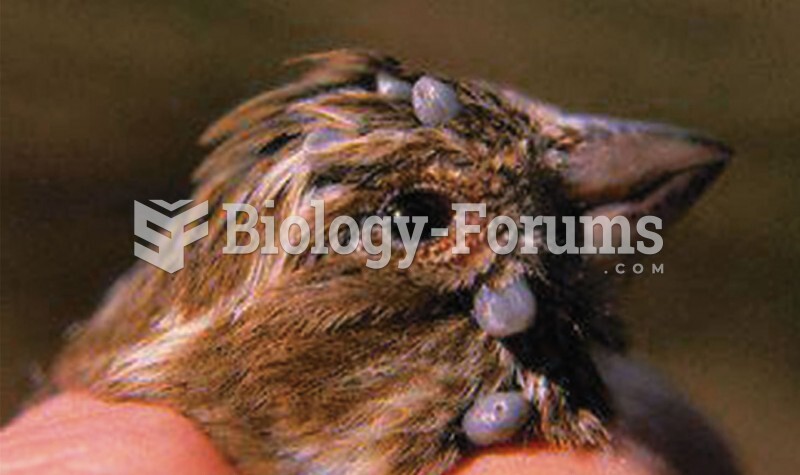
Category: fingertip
[75,434]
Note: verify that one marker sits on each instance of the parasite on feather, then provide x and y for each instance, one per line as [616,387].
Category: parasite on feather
[496,417]
[506,311]
[434,101]
[321,139]
[390,86]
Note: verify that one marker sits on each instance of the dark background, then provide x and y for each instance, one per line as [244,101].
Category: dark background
[102,103]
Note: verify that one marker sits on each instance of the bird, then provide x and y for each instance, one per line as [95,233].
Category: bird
[316,364]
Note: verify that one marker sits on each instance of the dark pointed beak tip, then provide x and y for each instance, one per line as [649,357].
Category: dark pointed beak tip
[720,152]
[643,169]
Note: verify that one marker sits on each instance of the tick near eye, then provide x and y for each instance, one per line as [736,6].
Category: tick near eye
[505,311]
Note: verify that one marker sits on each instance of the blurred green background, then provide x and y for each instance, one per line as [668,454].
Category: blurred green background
[102,103]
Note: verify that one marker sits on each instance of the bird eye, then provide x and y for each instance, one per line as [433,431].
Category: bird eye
[430,204]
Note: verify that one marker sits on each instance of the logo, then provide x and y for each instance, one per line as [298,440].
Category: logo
[163,237]
[172,236]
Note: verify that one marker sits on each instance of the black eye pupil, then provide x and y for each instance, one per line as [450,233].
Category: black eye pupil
[434,206]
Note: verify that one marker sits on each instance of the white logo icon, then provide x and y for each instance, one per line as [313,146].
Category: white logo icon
[169,255]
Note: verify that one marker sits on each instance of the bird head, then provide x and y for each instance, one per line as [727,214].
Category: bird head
[306,345]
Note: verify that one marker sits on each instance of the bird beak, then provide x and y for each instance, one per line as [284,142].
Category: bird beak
[633,169]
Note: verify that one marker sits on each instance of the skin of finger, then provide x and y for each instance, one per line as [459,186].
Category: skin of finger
[77,434]
[537,460]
